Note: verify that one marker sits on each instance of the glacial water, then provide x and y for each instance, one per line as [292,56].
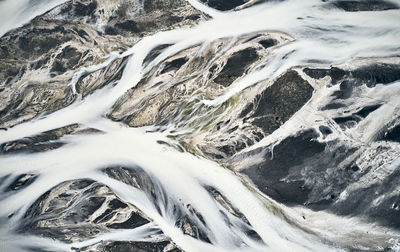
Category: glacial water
[321,35]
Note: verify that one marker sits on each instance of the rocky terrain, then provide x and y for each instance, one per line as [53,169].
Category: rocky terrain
[172,125]
[43,61]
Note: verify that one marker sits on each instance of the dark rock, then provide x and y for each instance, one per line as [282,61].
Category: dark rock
[137,177]
[134,176]
[39,143]
[279,102]
[225,203]
[291,153]
[193,17]
[65,212]
[229,150]
[135,220]
[334,105]
[301,171]
[81,33]
[58,67]
[173,65]
[355,168]
[392,134]
[224,5]
[128,25]
[21,182]
[85,10]
[110,30]
[364,112]
[151,5]
[34,46]
[80,184]
[236,65]
[346,89]
[116,204]
[190,227]
[139,246]
[188,219]
[85,209]
[366,5]
[104,217]
[213,155]
[251,233]
[325,130]
[377,74]
[247,110]
[347,121]
[359,203]
[155,52]
[268,43]
[69,57]
[87,84]
[355,118]
[334,72]
[40,63]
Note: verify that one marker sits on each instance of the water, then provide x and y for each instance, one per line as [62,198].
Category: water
[321,34]
[14,14]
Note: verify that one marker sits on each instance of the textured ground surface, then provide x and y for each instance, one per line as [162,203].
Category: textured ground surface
[302,112]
